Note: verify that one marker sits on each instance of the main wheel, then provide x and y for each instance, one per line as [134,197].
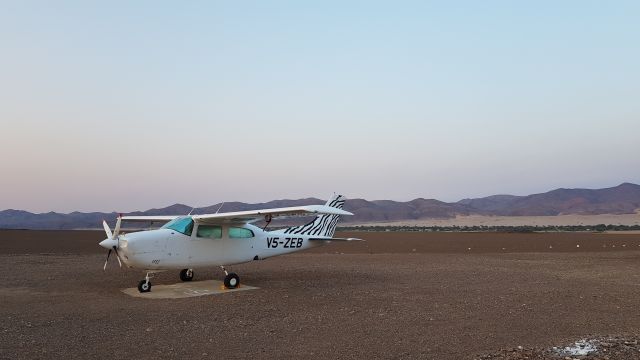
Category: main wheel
[186,274]
[144,286]
[231,281]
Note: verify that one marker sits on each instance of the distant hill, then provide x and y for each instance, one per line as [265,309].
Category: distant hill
[388,210]
[622,199]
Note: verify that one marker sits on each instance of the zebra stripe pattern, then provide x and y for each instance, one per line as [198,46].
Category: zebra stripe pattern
[322,225]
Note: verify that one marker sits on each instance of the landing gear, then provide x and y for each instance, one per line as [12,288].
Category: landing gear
[186,274]
[231,280]
[144,285]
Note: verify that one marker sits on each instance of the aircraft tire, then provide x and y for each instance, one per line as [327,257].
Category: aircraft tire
[144,286]
[231,281]
[184,275]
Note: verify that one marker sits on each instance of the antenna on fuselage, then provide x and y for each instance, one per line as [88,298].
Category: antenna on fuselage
[191,211]
[220,207]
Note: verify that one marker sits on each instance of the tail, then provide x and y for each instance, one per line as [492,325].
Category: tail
[323,225]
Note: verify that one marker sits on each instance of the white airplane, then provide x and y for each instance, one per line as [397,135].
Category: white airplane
[220,239]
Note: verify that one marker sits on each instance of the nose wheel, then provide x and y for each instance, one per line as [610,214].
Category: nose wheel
[144,285]
[231,279]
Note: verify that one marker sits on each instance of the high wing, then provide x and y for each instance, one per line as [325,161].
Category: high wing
[248,216]
[255,215]
[152,218]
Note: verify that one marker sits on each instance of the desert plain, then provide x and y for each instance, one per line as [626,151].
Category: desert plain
[396,295]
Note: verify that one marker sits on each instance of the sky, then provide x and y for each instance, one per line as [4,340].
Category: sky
[131,105]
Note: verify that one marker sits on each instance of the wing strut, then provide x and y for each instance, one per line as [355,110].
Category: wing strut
[268,219]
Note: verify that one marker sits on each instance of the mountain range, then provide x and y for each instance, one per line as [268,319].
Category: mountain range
[621,199]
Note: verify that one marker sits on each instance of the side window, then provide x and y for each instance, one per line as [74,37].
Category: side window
[209,231]
[240,233]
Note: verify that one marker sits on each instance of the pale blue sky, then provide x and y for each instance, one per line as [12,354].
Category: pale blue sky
[132,105]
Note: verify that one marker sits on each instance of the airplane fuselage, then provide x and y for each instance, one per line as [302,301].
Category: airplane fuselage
[164,249]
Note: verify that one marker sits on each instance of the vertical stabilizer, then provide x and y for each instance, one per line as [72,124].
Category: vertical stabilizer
[322,225]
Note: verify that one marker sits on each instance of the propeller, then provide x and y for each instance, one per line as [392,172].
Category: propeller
[111,242]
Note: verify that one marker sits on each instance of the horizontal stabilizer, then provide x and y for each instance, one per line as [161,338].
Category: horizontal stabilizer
[334,239]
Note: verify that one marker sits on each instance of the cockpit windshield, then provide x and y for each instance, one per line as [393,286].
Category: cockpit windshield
[183,225]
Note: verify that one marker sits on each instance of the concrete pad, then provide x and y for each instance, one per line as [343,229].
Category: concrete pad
[185,290]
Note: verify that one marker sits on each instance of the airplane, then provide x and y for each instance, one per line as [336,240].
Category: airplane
[220,239]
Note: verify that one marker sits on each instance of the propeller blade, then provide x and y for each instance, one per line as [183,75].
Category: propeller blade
[116,231]
[106,261]
[117,255]
[107,230]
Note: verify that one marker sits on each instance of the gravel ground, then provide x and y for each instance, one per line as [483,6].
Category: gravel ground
[598,348]
[373,304]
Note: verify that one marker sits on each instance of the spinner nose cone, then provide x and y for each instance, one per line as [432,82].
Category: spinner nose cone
[108,243]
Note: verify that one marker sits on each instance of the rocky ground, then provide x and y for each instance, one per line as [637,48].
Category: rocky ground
[599,348]
[397,296]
